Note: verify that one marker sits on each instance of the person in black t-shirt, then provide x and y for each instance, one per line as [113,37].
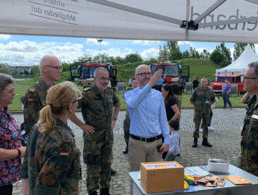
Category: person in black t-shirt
[171,106]
[195,83]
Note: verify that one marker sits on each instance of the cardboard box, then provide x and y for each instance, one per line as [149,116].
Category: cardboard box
[162,176]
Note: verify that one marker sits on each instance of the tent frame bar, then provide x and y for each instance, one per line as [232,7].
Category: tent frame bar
[136,11]
[189,25]
[209,10]
[252,1]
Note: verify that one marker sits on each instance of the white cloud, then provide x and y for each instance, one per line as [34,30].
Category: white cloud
[200,50]
[150,53]
[91,41]
[5,37]
[146,42]
[29,53]
[111,52]
[185,43]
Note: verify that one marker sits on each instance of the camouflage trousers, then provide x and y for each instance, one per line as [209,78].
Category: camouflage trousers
[205,117]
[126,129]
[98,158]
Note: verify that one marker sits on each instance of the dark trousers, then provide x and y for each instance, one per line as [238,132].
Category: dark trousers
[6,189]
[211,114]
[225,97]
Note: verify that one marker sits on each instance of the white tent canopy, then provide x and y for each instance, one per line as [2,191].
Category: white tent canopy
[241,64]
[225,21]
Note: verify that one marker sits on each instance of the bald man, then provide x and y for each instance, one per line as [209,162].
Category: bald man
[35,98]
[148,119]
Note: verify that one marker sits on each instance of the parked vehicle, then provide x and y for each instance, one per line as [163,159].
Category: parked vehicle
[84,73]
[219,81]
[171,71]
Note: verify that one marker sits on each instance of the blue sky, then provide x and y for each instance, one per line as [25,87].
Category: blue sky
[28,50]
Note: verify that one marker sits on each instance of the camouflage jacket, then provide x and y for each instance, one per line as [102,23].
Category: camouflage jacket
[249,143]
[127,113]
[35,100]
[97,111]
[202,100]
[52,161]
[178,101]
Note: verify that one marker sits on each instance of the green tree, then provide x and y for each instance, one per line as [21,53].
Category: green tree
[111,59]
[239,48]
[227,55]
[119,60]
[216,56]
[185,54]
[100,58]
[26,72]
[163,54]
[5,68]
[194,53]
[133,57]
[175,53]
[66,66]
[35,70]
[205,54]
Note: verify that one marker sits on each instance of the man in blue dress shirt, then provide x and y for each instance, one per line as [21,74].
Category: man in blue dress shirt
[148,120]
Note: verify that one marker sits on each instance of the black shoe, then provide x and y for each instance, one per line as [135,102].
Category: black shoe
[178,154]
[113,172]
[195,143]
[125,150]
[104,191]
[93,193]
[206,143]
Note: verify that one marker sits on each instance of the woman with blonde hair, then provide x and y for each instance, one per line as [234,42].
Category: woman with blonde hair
[52,161]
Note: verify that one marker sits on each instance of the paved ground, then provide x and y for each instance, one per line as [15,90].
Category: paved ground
[225,139]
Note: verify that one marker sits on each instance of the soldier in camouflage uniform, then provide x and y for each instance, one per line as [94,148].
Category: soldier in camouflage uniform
[52,159]
[35,98]
[97,111]
[134,84]
[249,143]
[202,98]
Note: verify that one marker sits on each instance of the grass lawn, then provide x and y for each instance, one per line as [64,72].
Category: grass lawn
[236,101]
[21,88]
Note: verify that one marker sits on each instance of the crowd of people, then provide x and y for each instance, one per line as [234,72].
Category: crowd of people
[51,159]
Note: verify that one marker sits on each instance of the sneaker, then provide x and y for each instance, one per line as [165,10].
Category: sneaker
[211,128]
[201,130]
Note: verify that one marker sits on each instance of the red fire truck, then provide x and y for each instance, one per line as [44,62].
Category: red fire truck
[84,73]
[171,71]
[219,81]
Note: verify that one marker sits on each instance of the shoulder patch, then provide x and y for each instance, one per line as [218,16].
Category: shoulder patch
[32,90]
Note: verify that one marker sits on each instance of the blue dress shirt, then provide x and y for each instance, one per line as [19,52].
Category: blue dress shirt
[147,113]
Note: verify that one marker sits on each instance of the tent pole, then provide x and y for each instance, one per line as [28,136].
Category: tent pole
[187,19]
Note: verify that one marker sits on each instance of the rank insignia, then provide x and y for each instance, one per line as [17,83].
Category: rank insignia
[64,153]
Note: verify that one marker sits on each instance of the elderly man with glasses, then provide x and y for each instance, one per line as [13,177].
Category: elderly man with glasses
[35,98]
[249,143]
[148,120]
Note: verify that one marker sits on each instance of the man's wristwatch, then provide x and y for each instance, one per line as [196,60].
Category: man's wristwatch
[114,117]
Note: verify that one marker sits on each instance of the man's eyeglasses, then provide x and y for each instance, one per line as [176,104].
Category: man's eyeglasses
[104,79]
[145,74]
[56,67]
[250,78]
